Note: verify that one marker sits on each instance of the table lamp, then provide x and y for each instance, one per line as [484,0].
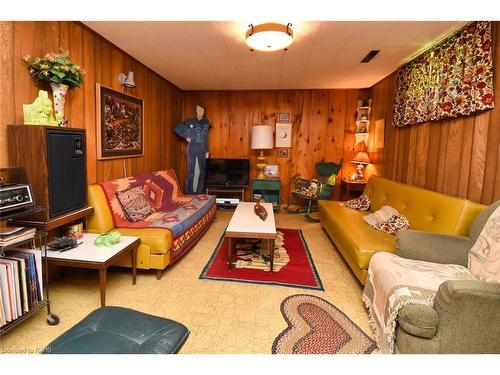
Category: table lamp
[362,159]
[262,139]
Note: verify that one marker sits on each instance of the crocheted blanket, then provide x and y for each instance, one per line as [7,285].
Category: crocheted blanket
[185,216]
[394,282]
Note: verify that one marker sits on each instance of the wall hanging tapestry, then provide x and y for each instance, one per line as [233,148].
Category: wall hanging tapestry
[315,326]
[455,78]
[293,264]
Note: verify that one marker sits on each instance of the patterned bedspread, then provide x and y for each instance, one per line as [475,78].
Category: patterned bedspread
[394,282]
[174,210]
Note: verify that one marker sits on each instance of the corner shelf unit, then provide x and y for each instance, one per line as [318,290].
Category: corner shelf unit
[362,121]
[39,238]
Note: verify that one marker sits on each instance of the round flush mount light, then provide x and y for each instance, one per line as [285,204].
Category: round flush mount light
[269,36]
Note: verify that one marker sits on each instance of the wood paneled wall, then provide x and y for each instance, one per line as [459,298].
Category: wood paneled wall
[103,63]
[323,127]
[460,157]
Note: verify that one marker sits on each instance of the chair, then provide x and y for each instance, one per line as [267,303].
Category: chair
[313,190]
[118,330]
[465,314]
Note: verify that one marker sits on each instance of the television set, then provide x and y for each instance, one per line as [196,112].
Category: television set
[227,172]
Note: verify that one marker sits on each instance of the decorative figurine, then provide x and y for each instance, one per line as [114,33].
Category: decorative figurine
[260,211]
[40,112]
[195,131]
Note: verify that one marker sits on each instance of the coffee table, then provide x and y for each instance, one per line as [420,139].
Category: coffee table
[87,255]
[246,224]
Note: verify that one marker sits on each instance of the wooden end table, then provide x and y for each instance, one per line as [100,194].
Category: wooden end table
[246,224]
[351,189]
[87,255]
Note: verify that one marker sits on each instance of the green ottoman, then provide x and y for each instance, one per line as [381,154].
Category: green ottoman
[118,330]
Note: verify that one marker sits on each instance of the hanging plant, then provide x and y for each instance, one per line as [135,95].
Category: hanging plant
[55,68]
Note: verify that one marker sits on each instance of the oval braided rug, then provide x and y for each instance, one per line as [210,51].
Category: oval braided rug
[315,326]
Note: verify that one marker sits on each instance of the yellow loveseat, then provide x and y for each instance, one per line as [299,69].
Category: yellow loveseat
[426,210]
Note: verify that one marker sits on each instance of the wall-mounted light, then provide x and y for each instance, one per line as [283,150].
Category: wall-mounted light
[269,36]
[127,80]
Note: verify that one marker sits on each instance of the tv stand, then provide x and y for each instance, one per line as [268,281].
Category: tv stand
[228,194]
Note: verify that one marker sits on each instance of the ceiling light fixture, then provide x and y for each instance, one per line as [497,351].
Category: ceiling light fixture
[269,36]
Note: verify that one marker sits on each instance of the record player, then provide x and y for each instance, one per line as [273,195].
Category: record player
[16,195]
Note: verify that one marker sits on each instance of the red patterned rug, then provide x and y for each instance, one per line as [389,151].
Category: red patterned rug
[294,266]
[315,326]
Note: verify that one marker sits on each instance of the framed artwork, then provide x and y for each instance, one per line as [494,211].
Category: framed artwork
[379,133]
[284,117]
[283,134]
[283,153]
[120,121]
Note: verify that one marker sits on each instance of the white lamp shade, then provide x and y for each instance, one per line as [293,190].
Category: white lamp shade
[262,137]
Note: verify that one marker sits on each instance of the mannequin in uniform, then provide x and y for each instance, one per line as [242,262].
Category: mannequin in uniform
[195,131]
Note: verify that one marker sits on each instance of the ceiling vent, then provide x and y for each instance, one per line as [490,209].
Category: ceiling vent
[370,56]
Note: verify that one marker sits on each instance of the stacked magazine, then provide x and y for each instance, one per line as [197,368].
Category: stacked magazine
[11,235]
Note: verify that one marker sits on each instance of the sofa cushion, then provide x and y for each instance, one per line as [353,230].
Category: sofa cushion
[387,220]
[362,203]
[426,210]
[480,220]
[134,203]
[354,234]
[484,256]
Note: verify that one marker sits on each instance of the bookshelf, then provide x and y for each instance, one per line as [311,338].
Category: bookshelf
[362,122]
[38,243]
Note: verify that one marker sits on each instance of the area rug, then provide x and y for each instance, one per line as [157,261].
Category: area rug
[315,326]
[294,266]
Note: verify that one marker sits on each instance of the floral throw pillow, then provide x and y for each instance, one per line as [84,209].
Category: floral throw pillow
[134,203]
[484,256]
[387,220]
[362,203]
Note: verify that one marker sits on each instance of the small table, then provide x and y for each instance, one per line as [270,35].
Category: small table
[269,189]
[246,224]
[351,189]
[87,255]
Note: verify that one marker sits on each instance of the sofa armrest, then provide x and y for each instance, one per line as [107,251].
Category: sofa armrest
[433,247]
[159,240]
[469,312]
[418,320]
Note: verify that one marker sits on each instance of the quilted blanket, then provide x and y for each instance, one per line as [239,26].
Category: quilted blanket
[184,215]
[394,282]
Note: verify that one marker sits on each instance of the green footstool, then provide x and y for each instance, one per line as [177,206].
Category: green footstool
[118,330]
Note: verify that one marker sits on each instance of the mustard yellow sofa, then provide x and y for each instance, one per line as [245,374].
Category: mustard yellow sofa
[426,210]
[156,248]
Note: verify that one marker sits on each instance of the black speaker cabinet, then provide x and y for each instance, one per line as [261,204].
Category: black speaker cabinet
[55,162]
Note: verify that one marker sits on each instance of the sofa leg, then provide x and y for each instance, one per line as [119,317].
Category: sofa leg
[158,274]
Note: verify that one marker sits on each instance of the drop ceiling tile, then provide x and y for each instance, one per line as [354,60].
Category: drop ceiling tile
[213,55]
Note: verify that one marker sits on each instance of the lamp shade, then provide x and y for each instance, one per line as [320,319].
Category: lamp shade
[361,158]
[262,137]
[127,80]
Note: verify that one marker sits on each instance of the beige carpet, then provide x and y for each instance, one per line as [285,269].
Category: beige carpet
[224,317]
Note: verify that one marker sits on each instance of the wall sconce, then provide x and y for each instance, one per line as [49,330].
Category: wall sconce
[127,80]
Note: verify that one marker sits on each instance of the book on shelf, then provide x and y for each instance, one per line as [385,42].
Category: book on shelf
[21,287]
[16,236]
